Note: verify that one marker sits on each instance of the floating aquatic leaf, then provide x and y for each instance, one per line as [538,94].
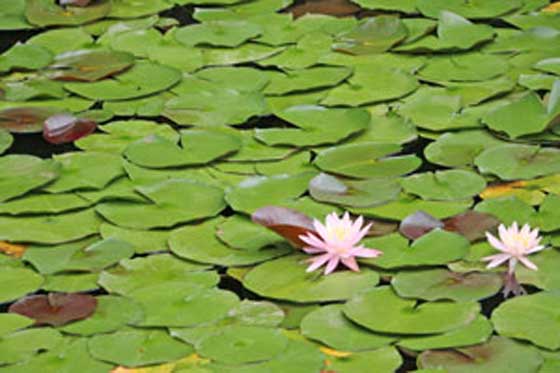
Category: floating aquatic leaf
[89,65]
[22,281]
[49,13]
[372,35]
[288,223]
[381,310]
[64,128]
[474,9]
[26,119]
[26,57]
[55,309]
[21,173]
[444,185]
[22,345]
[418,224]
[218,33]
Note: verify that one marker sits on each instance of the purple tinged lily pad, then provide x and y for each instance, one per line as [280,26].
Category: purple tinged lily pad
[65,128]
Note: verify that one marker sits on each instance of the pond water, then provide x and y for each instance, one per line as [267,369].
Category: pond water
[165,164]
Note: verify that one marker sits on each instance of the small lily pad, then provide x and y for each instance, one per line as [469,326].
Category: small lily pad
[23,281]
[49,13]
[372,35]
[444,185]
[89,65]
[218,33]
[21,173]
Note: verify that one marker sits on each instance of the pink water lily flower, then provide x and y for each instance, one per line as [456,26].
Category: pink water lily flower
[337,242]
[515,245]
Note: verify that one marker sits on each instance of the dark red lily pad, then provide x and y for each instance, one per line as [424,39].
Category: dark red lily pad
[337,8]
[288,223]
[26,119]
[65,128]
[55,308]
[418,224]
[89,65]
[471,224]
[80,3]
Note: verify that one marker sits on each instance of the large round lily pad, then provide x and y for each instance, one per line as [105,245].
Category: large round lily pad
[22,280]
[49,13]
[381,310]
[286,279]
[444,185]
[89,65]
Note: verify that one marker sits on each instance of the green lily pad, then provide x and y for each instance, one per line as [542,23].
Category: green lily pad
[536,117]
[354,193]
[182,305]
[214,106]
[23,56]
[327,324]
[199,244]
[85,170]
[62,40]
[546,277]
[549,65]
[444,185]
[174,201]
[316,126]
[533,318]
[71,283]
[507,209]
[137,347]
[367,88]
[119,134]
[303,80]
[21,173]
[453,32]
[407,204]
[111,314]
[22,282]
[243,344]
[479,331]
[405,6]
[142,241]
[48,229]
[366,160]
[12,17]
[150,106]
[137,8]
[473,67]
[243,79]
[494,356]
[435,284]
[434,248]
[43,203]
[381,310]
[386,359]
[11,322]
[21,345]
[140,273]
[70,355]
[241,233]
[48,13]
[259,191]
[6,140]
[286,279]
[143,79]
[306,53]
[474,9]
[218,33]
[517,161]
[197,147]
[372,35]
[80,256]
[459,149]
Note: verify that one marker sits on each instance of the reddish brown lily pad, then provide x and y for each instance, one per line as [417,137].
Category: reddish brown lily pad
[288,223]
[65,128]
[25,119]
[89,65]
[471,224]
[54,308]
[337,8]
[418,224]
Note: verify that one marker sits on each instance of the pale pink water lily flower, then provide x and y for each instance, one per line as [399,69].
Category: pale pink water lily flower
[515,245]
[337,242]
